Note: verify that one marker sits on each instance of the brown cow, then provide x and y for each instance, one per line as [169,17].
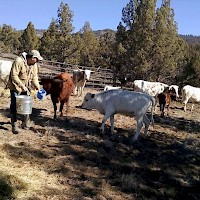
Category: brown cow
[60,88]
[165,99]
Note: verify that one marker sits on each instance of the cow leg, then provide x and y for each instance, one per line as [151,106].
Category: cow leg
[53,99]
[185,100]
[192,107]
[55,109]
[75,90]
[185,107]
[168,103]
[106,116]
[82,88]
[61,108]
[112,123]
[138,127]
[162,109]
[156,103]
[146,123]
[78,90]
[81,91]
[168,109]
[67,105]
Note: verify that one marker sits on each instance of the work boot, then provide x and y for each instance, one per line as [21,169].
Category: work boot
[15,128]
[26,124]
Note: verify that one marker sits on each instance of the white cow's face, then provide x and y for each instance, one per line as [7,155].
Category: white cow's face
[88,102]
[176,88]
[87,73]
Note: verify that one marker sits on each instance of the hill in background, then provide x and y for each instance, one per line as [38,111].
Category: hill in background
[190,39]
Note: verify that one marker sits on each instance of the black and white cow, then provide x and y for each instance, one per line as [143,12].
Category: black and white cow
[79,78]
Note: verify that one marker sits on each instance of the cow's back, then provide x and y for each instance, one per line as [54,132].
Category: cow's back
[67,85]
[190,92]
[151,88]
[5,67]
[138,85]
[124,101]
[187,91]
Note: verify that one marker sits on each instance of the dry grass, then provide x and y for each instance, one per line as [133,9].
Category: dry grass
[69,158]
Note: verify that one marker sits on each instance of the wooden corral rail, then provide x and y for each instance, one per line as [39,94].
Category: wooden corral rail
[98,79]
[7,56]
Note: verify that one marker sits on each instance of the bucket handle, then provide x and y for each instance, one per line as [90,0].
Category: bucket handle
[28,92]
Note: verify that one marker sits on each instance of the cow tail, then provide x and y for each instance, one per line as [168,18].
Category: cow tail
[152,110]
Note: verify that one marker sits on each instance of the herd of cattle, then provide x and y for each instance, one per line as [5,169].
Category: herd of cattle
[113,99]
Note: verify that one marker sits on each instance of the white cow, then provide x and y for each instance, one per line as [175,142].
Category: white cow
[151,88]
[109,87]
[79,78]
[154,88]
[190,93]
[125,102]
[5,67]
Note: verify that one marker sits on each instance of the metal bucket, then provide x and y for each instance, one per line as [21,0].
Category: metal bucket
[24,104]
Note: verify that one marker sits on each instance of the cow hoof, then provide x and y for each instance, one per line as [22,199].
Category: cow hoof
[113,137]
[133,139]
[67,120]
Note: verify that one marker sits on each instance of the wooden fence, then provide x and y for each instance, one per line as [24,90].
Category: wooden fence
[98,79]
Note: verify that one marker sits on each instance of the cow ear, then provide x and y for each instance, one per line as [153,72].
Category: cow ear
[92,95]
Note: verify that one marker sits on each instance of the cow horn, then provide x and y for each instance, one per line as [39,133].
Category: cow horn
[98,68]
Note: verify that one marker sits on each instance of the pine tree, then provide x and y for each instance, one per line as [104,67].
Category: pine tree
[48,42]
[138,18]
[64,44]
[152,47]
[76,47]
[121,44]
[58,42]
[90,46]
[9,39]
[106,53]
[142,33]
[190,68]
[168,46]
[64,20]
[29,39]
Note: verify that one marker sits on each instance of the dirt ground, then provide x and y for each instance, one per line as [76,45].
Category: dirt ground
[68,158]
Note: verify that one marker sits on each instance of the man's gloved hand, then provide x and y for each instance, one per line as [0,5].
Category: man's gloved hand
[24,88]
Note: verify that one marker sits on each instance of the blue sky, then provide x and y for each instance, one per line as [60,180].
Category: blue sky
[101,14]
